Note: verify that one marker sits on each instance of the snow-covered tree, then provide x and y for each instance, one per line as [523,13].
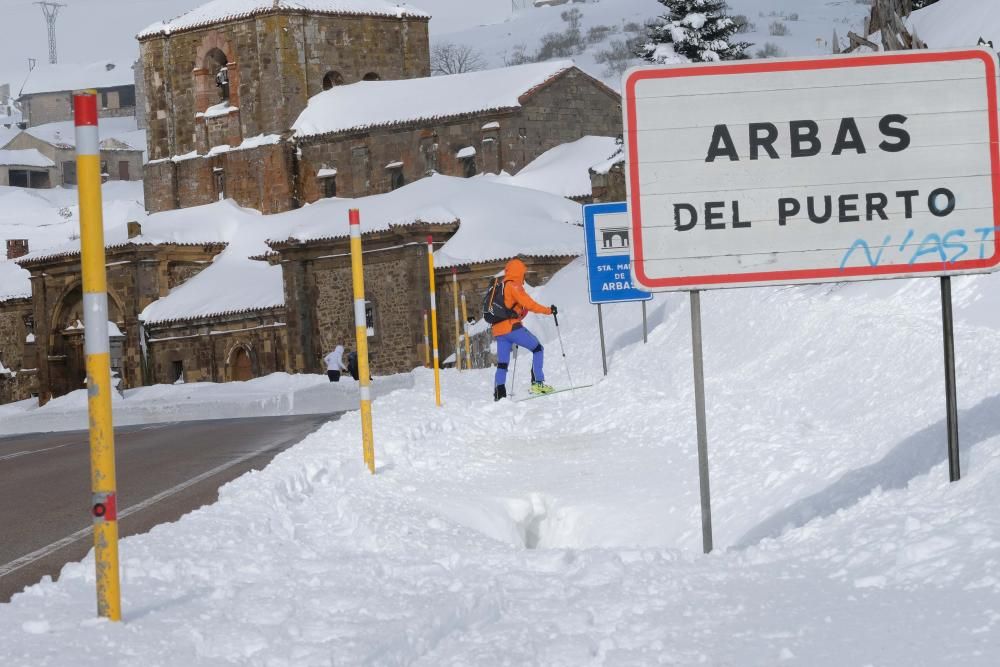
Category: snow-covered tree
[693,30]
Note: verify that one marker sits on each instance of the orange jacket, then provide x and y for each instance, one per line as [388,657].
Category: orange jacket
[515,298]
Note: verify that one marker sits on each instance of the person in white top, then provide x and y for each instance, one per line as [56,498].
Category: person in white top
[335,363]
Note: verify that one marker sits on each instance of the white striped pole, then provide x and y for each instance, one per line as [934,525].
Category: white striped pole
[104,505]
[465,327]
[427,342]
[361,333]
[434,321]
[458,330]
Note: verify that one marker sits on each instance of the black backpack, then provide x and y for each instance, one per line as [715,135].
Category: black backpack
[494,310]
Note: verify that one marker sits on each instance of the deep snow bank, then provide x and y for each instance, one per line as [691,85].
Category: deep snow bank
[566,530]
[270,396]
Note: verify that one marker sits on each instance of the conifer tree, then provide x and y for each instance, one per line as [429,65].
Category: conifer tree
[694,30]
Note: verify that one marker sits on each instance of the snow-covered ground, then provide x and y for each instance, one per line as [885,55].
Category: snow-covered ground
[270,396]
[566,530]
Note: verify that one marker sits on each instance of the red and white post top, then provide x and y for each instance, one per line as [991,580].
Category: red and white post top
[85,120]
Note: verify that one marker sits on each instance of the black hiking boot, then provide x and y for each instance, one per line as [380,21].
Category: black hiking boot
[500,391]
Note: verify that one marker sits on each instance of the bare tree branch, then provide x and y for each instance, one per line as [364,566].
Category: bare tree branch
[451,58]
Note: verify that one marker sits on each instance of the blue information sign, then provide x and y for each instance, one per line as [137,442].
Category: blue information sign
[609,268]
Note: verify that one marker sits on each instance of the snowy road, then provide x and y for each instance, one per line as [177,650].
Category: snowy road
[164,471]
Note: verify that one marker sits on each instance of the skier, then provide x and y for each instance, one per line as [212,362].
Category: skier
[335,363]
[510,332]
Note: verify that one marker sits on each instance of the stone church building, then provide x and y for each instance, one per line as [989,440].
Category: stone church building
[342,105]
[284,104]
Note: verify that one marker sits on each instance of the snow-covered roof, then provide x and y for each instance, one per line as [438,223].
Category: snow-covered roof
[29,157]
[213,223]
[956,23]
[495,221]
[378,103]
[219,11]
[232,284]
[15,282]
[605,166]
[115,133]
[68,77]
[563,170]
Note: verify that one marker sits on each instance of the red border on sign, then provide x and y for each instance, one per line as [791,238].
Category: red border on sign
[838,62]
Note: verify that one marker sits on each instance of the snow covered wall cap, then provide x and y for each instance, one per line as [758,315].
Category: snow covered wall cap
[219,11]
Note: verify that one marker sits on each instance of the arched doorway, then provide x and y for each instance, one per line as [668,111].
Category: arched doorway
[66,360]
[371,76]
[240,365]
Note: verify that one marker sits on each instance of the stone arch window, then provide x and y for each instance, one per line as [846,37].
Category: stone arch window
[371,76]
[216,75]
[332,79]
[216,63]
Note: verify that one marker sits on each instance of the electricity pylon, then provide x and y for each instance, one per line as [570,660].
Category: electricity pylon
[51,11]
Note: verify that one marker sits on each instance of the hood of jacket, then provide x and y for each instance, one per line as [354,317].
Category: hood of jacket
[515,270]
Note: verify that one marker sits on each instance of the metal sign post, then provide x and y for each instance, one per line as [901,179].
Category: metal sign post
[609,267]
[951,392]
[699,408]
[600,328]
[645,327]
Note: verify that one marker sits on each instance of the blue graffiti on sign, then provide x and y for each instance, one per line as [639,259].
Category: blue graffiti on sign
[609,267]
[946,248]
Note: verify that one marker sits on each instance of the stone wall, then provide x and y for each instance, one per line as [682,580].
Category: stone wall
[15,353]
[208,349]
[14,317]
[276,62]
[259,178]
[320,300]
[610,186]
[18,386]
[568,108]
[319,297]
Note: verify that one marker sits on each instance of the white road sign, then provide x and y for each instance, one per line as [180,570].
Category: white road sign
[813,170]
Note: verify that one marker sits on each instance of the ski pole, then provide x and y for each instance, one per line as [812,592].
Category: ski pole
[562,349]
[513,375]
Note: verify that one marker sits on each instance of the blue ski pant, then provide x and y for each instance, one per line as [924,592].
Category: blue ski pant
[522,338]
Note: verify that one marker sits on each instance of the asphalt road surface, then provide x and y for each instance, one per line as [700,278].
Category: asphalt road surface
[164,471]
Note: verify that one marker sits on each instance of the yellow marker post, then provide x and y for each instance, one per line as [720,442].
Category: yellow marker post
[458,330]
[361,333]
[427,343]
[465,327]
[104,505]
[434,321]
